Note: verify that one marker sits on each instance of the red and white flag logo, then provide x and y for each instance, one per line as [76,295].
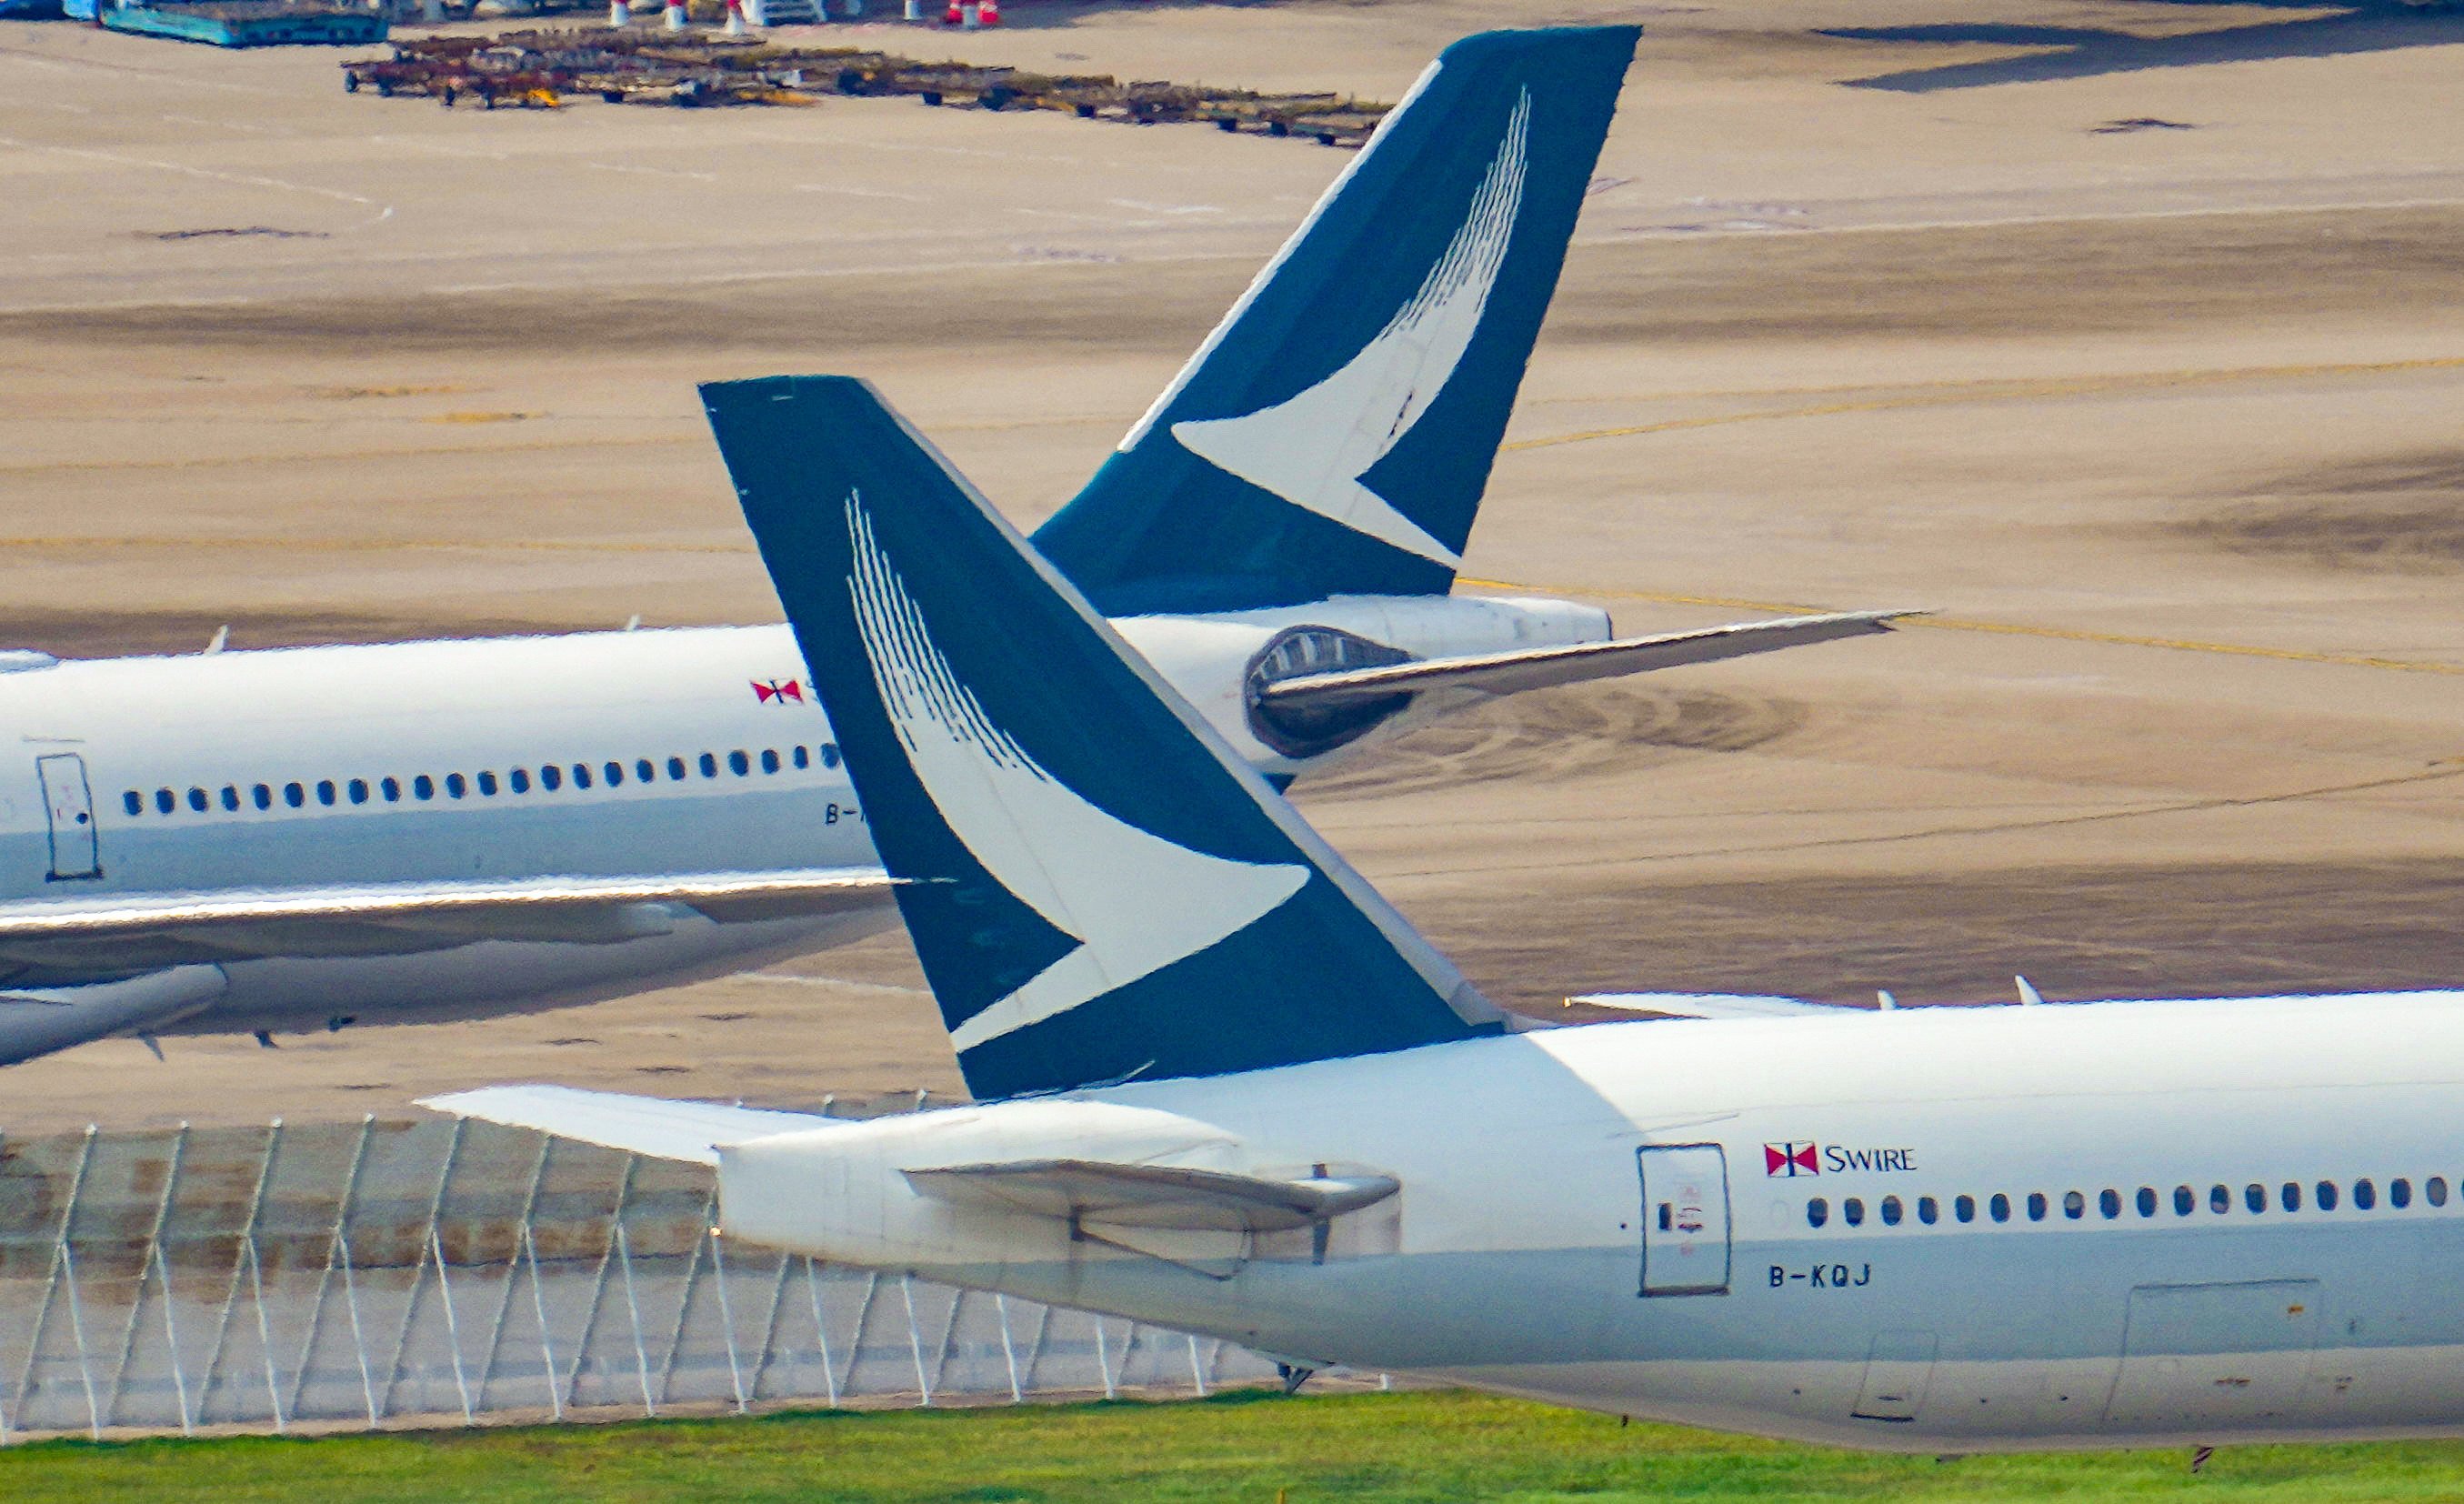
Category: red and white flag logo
[765,693]
[1791,1160]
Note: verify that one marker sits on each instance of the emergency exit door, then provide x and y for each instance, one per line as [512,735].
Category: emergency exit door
[1684,1219]
[68,807]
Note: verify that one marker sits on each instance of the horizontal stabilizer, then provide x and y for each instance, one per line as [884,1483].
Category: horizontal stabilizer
[1712,1005]
[1152,1195]
[651,1125]
[1540,668]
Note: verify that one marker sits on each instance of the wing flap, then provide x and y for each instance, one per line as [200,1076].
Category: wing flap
[1152,1195]
[652,1125]
[1542,668]
[1712,1005]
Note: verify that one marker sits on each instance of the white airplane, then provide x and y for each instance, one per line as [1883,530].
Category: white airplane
[1224,1087]
[300,839]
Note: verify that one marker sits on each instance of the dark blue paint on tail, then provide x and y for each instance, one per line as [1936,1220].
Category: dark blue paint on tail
[1335,435]
[1099,888]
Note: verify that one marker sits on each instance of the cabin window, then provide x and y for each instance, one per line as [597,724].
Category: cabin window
[581,775]
[2435,1188]
[197,799]
[1999,1207]
[2364,1195]
[2109,1203]
[645,770]
[262,796]
[134,802]
[615,772]
[2074,1206]
[1853,1211]
[294,795]
[769,760]
[392,789]
[488,784]
[709,765]
[1964,1208]
[2290,1196]
[2185,1201]
[456,785]
[2255,1197]
[1818,1211]
[521,779]
[2326,1195]
[1891,1211]
[357,788]
[829,754]
[675,770]
[551,778]
[739,763]
[325,790]
[165,801]
[2219,1199]
[230,796]
[423,787]
[1929,1212]
[2148,1201]
[800,756]
[2399,1194]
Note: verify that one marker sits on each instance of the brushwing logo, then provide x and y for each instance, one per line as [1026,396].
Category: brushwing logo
[1134,901]
[1788,1161]
[782,690]
[1313,449]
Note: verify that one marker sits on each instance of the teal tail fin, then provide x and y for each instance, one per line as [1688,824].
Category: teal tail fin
[1099,888]
[1335,435]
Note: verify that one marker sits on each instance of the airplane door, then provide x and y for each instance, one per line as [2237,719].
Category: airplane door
[1684,1219]
[1896,1371]
[2204,1354]
[68,805]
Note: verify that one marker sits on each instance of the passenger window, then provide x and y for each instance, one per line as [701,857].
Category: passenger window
[197,799]
[2399,1194]
[2074,1206]
[2184,1201]
[165,801]
[521,779]
[2219,1199]
[1853,1211]
[2364,1195]
[488,784]
[2255,1197]
[676,769]
[134,802]
[294,795]
[709,765]
[1890,1212]
[2109,1201]
[230,796]
[2290,1197]
[644,771]
[2435,1188]
[739,763]
[829,754]
[1999,1207]
[263,796]
[1964,1208]
[2036,1206]
[581,775]
[359,790]
[391,788]
[800,756]
[1818,1211]
[423,787]
[1927,1211]
[769,761]
[2148,1201]
[325,790]
[2326,1195]
[551,778]
[615,772]
[455,786]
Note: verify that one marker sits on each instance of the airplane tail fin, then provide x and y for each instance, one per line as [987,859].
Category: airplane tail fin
[1333,436]
[1098,887]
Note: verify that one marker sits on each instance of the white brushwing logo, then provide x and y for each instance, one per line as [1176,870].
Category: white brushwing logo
[1313,449]
[1134,901]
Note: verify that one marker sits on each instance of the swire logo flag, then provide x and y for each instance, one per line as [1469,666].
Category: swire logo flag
[1791,1160]
[765,693]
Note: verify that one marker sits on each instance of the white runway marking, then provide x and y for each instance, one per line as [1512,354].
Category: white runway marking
[653,173]
[246,179]
[857,192]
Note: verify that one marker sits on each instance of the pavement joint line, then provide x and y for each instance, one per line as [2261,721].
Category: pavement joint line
[2352,660]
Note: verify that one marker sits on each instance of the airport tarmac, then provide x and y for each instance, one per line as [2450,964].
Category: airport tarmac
[2134,353]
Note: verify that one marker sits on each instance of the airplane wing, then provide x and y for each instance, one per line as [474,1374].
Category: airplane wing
[1712,1005]
[63,942]
[1510,673]
[650,1126]
[1152,1195]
